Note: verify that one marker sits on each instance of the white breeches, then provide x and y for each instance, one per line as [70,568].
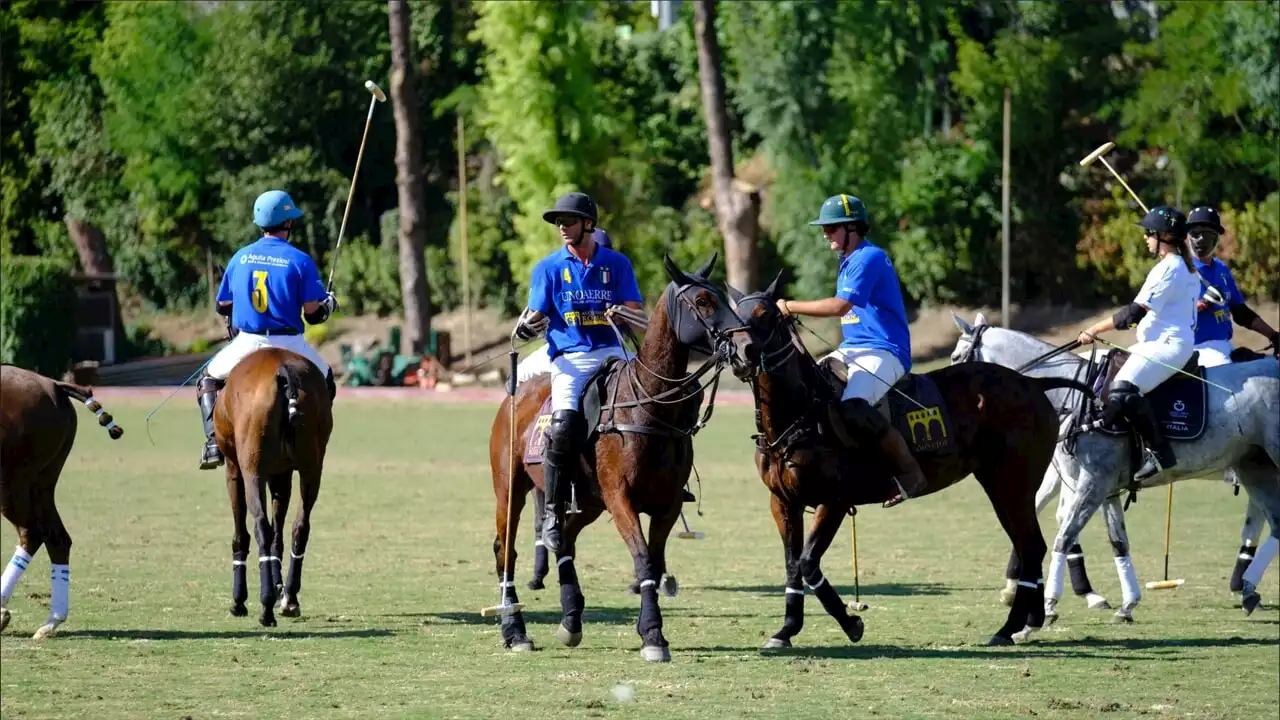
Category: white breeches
[871,372]
[534,364]
[245,343]
[1215,352]
[570,373]
[1141,368]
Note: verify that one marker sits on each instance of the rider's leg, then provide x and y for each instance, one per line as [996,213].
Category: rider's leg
[871,374]
[1150,364]
[211,383]
[569,376]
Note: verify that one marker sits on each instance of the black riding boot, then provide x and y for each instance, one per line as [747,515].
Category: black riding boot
[207,396]
[1159,455]
[862,421]
[559,463]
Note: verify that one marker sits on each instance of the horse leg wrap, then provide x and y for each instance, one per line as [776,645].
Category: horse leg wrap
[1243,559]
[1057,568]
[794,620]
[1130,590]
[649,626]
[1266,553]
[1075,566]
[512,627]
[294,583]
[571,600]
[268,569]
[60,592]
[826,594]
[239,585]
[12,573]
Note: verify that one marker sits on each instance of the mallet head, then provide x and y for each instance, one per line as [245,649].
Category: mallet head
[1088,160]
[372,87]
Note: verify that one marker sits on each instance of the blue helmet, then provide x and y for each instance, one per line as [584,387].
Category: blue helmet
[274,208]
[602,239]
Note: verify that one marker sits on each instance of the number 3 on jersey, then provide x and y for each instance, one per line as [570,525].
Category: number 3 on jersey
[260,290]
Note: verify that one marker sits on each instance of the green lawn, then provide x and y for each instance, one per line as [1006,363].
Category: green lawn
[400,563]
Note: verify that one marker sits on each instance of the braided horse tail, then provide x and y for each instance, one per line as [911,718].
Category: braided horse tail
[85,395]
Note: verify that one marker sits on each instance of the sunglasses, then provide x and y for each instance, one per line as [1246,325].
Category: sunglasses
[566,220]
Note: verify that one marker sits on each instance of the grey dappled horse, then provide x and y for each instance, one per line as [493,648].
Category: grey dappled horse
[1242,436]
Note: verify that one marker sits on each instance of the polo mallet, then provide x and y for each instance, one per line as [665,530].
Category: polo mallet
[1166,583]
[503,607]
[688,534]
[378,96]
[857,605]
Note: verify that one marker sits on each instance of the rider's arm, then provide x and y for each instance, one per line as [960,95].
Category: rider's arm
[1127,316]
[1246,317]
[828,307]
[223,308]
[1086,336]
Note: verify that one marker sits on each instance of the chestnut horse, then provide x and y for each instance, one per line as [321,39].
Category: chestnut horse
[273,418]
[1004,431]
[637,461]
[37,430]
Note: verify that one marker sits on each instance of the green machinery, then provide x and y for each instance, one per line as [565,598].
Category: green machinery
[382,365]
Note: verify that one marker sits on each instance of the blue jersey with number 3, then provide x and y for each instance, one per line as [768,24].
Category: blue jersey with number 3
[267,283]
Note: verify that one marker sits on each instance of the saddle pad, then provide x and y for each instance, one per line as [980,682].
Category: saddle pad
[590,402]
[927,425]
[1180,405]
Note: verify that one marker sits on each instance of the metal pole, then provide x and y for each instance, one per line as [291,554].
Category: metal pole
[1004,198]
[462,236]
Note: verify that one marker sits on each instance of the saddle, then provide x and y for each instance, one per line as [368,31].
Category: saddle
[1180,403]
[914,407]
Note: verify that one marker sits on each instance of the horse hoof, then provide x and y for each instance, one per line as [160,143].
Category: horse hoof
[854,628]
[239,610]
[1097,602]
[670,586]
[522,646]
[291,610]
[1249,603]
[536,584]
[654,653]
[774,643]
[567,637]
[1050,617]
[4,619]
[1120,618]
[1024,635]
[999,641]
[1006,597]
[45,632]
[268,620]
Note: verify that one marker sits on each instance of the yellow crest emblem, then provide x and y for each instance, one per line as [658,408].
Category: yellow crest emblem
[568,277]
[920,423]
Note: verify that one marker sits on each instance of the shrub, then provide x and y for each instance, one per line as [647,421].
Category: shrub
[37,314]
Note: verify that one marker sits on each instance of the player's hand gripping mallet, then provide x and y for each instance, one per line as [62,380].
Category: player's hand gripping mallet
[378,96]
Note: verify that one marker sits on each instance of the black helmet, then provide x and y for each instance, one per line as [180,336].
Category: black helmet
[1165,219]
[1207,217]
[574,203]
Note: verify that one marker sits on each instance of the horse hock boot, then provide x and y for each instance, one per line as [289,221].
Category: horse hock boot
[211,456]
[1159,455]
[561,455]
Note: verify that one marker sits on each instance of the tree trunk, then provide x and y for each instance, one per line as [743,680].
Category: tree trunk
[736,211]
[409,178]
[95,259]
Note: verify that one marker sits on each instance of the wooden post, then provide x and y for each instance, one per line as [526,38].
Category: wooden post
[1005,320]
[462,237]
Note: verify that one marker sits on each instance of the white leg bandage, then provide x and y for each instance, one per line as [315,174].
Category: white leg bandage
[12,572]
[1261,559]
[1130,591]
[60,595]
[1057,571]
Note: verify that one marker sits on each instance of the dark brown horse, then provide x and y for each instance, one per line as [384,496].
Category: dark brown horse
[637,461]
[37,430]
[1003,432]
[273,418]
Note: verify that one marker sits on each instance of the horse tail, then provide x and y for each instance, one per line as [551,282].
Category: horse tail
[287,384]
[1052,383]
[84,395]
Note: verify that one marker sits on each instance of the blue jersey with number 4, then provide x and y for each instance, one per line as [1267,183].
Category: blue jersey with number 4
[878,318]
[574,295]
[267,283]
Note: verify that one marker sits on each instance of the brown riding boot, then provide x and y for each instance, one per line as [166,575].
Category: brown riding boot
[910,479]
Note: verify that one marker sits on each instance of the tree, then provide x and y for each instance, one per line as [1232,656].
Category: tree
[736,210]
[409,180]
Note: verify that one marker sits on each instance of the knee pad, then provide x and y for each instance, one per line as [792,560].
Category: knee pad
[563,435]
[860,416]
[1124,396]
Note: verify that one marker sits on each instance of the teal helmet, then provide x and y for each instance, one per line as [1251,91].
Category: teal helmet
[274,208]
[841,209]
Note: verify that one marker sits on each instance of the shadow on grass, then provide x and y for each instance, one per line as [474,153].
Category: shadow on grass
[590,616]
[873,589]
[279,633]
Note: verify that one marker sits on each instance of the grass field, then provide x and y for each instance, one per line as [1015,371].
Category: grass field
[400,562]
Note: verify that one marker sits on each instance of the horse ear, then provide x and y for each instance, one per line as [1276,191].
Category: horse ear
[676,274]
[965,328]
[734,293]
[979,320]
[772,290]
[705,270]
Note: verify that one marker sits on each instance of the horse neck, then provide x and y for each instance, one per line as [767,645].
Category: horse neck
[787,383]
[1012,349]
[663,357]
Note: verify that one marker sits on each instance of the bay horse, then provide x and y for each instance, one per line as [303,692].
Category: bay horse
[274,418]
[1003,431]
[636,460]
[37,430]
[1240,436]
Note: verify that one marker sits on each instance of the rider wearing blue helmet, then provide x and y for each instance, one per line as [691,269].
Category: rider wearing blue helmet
[267,290]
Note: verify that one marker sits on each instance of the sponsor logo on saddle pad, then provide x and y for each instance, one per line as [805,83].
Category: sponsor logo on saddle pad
[921,416]
[536,437]
[928,432]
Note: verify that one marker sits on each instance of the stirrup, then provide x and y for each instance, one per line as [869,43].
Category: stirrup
[902,495]
[573,500]
[211,458]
